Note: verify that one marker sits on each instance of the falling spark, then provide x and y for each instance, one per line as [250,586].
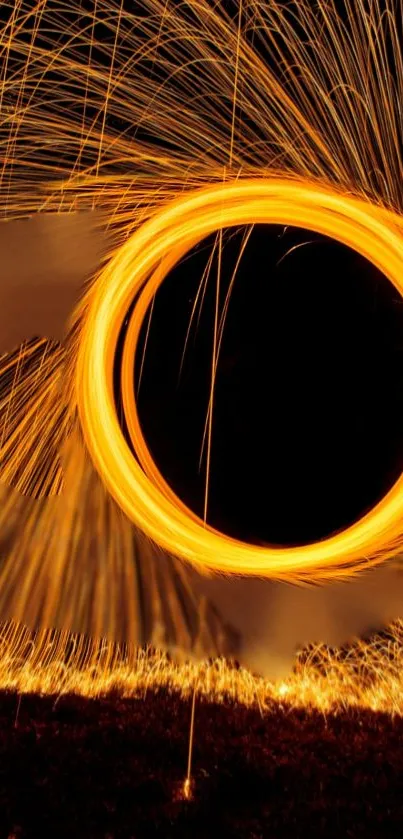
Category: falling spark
[188,783]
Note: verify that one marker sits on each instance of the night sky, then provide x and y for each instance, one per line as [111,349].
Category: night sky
[309,393]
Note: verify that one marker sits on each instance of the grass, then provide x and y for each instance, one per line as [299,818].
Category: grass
[73,767]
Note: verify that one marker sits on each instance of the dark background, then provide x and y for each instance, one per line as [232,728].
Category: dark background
[308,401]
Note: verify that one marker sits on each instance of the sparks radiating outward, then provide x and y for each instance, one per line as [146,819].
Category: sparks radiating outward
[173,121]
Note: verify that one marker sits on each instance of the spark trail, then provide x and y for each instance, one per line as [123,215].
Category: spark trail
[125,112]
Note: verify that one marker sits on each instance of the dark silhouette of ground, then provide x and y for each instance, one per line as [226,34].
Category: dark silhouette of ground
[114,768]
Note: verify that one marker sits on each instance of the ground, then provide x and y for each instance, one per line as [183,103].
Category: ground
[113,768]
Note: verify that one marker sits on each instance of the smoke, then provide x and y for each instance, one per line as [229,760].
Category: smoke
[274,620]
[44,263]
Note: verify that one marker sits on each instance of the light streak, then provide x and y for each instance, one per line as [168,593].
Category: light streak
[140,267]
[364,675]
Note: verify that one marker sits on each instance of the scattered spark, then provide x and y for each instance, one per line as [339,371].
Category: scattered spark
[293,249]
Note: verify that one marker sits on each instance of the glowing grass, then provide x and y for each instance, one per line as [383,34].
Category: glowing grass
[365,675]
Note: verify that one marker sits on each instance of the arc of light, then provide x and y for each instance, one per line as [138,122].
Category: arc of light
[140,266]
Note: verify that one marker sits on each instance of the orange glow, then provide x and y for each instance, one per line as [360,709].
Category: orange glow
[366,675]
[304,132]
[140,265]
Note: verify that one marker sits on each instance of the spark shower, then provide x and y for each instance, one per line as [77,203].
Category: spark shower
[168,122]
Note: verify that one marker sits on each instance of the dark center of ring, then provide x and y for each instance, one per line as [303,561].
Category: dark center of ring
[307,430]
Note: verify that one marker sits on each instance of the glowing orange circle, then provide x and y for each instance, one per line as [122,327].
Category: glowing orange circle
[140,266]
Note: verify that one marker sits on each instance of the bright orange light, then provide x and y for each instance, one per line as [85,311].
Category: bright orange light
[140,266]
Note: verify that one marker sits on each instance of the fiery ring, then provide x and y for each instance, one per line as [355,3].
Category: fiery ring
[139,267]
